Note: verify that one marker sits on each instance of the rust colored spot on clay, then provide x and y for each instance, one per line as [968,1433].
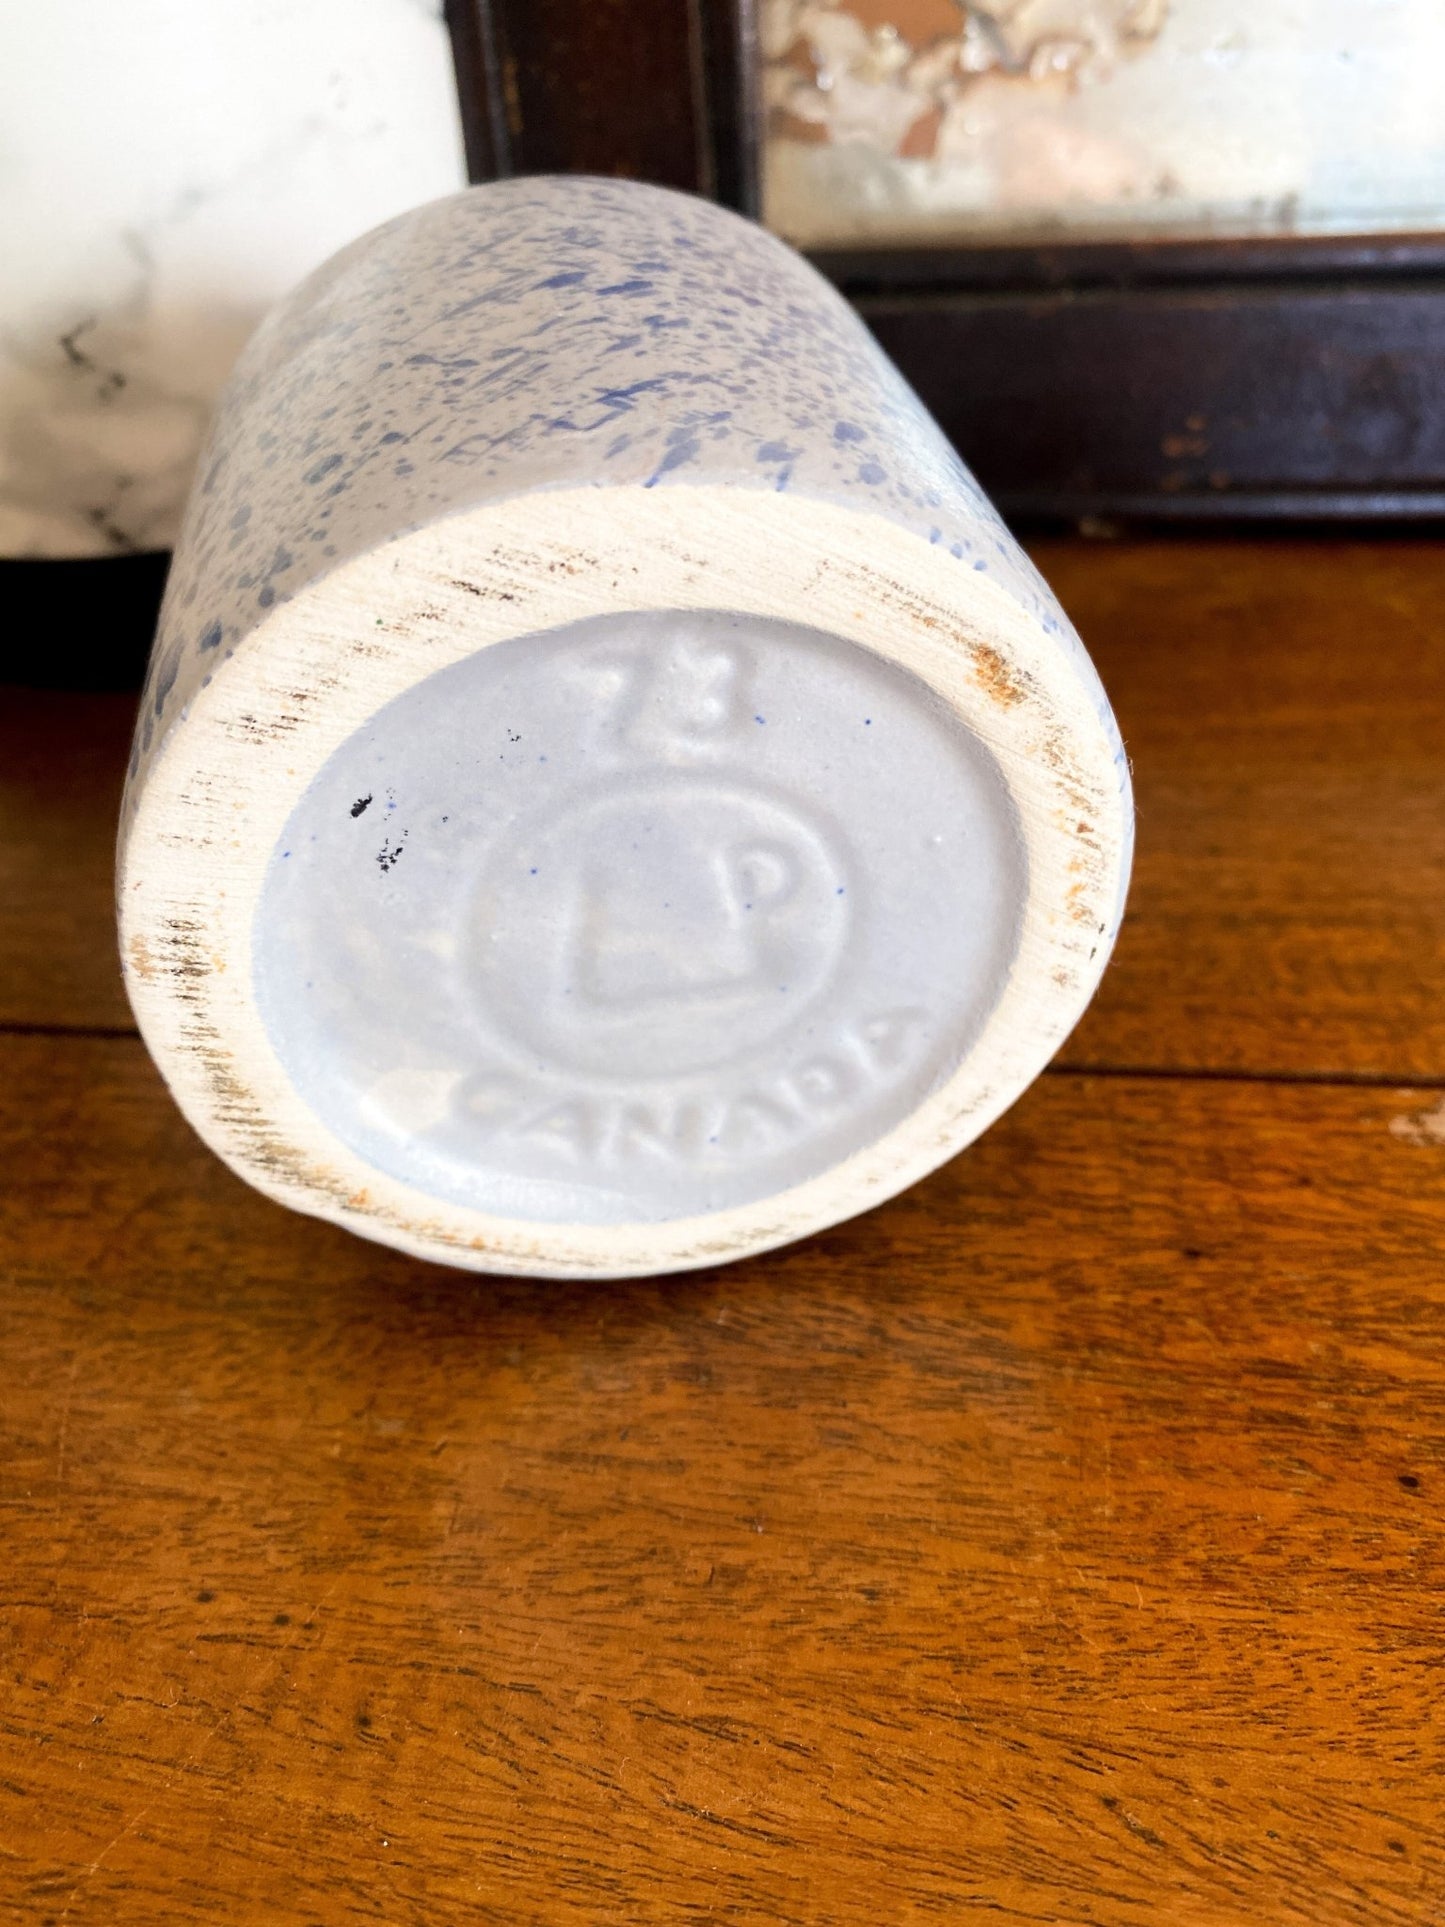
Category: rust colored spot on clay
[994,676]
[141,960]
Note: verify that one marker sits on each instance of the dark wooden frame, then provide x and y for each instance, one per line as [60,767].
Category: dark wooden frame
[653,90]
[1226,379]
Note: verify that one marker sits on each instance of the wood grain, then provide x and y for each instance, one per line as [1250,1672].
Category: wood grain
[62,760]
[1283,703]
[1062,1542]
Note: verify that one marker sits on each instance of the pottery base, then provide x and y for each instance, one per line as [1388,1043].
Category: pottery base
[649,916]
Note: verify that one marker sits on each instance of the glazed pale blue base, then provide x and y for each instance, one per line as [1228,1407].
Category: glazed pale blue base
[638,919]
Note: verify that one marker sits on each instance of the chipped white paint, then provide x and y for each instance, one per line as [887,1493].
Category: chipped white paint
[167,170]
[510,519]
[939,120]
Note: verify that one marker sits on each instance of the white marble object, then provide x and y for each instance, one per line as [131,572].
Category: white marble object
[610,794]
[168,168]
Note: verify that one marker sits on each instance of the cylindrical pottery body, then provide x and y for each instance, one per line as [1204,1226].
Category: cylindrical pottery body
[610,795]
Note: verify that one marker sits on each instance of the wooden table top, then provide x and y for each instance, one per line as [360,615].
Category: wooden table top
[1063,1542]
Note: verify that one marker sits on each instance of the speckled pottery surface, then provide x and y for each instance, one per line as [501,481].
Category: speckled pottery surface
[610,796]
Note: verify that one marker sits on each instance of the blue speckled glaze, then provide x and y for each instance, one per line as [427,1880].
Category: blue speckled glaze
[533,334]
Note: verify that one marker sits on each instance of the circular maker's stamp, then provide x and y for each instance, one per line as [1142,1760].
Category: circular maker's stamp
[668,924]
[639,919]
